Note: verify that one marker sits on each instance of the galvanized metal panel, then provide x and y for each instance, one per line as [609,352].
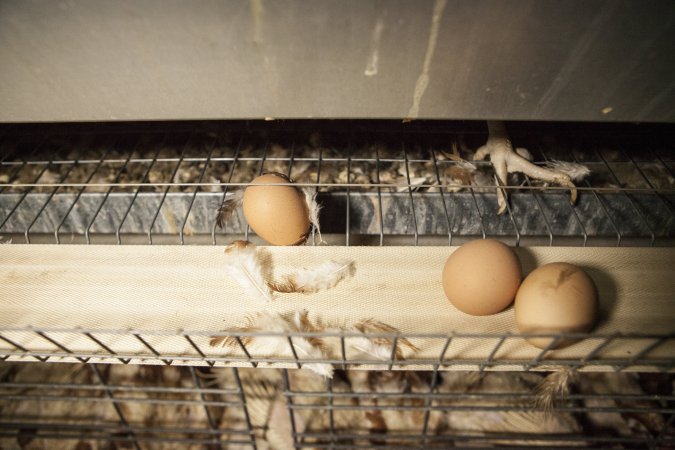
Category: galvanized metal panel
[75,60]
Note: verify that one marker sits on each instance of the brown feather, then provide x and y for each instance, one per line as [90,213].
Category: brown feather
[554,389]
[231,341]
[228,208]
[373,326]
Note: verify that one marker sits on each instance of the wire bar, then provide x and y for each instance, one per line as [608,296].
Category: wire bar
[151,401]
[603,206]
[54,181]
[242,399]
[105,347]
[198,350]
[572,207]
[410,194]
[123,421]
[118,178]
[59,345]
[212,147]
[118,232]
[441,191]
[131,388]
[77,197]
[331,415]
[639,211]
[519,364]
[166,190]
[109,190]
[205,406]
[289,404]
[149,347]
[541,210]
[86,433]
[261,167]
[235,159]
[380,214]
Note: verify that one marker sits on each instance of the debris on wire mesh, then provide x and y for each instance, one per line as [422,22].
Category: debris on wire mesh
[505,159]
[245,265]
[273,337]
[252,268]
[461,173]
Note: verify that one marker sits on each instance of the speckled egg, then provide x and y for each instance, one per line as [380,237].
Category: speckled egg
[556,297]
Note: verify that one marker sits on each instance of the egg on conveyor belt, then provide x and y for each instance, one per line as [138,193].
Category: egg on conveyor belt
[276,210]
[482,277]
[554,298]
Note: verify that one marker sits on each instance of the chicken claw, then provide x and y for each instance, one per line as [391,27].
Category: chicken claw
[505,159]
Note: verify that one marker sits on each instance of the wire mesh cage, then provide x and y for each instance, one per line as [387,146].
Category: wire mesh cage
[59,406]
[380,184]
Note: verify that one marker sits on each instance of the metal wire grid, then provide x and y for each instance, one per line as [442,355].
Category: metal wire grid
[331,438]
[43,345]
[617,212]
[101,392]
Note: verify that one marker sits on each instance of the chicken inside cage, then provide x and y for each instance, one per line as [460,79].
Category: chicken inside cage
[216,339]
[98,406]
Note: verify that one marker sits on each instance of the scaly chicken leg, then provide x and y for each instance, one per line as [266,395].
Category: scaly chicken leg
[506,160]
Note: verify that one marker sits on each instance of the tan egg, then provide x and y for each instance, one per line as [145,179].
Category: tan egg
[277,213]
[482,277]
[554,298]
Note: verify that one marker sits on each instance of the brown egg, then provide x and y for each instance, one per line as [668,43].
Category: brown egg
[556,297]
[482,277]
[278,214]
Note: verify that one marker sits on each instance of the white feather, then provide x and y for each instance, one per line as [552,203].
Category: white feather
[244,266]
[465,165]
[310,280]
[264,345]
[575,171]
[314,208]
[365,347]
[305,350]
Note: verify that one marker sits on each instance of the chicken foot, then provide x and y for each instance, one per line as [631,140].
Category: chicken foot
[505,159]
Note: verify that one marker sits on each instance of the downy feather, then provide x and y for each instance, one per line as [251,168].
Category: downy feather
[575,171]
[379,347]
[245,266]
[229,206]
[310,280]
[314,208]
[553,389]
[266,345]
